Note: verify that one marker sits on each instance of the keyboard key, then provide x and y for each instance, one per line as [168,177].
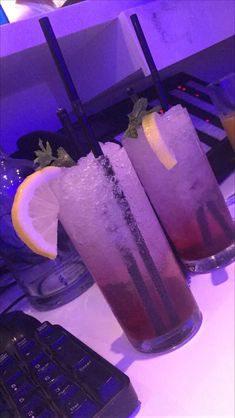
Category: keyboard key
[108,389]
[67,352]
[83,363]
[45,329]
[74,403]
[48,373]
[86,410]
[8,366]
[48,333]
[98,379]
[40,362]
[61,386]
[27,349]
[36,408]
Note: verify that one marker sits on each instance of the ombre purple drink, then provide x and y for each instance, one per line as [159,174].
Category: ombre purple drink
[184,192]
[140,280]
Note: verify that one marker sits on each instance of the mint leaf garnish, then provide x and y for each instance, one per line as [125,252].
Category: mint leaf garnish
[136,116]
[45,157]
[63,159]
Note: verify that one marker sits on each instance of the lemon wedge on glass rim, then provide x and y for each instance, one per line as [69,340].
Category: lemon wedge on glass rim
[156,142]
[35,212]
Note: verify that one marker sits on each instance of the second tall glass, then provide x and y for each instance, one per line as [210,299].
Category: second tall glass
[183,190]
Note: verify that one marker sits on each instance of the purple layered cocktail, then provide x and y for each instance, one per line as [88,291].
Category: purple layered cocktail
[182,188]
[126,251]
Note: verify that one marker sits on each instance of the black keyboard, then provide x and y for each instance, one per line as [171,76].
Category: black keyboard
[53,374]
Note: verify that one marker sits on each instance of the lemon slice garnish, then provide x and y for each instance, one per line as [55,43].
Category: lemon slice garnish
[156,142]
[35,212]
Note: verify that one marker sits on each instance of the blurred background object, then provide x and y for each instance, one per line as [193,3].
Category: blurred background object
[3,16]
[47,283]
[23,9]
[222,93]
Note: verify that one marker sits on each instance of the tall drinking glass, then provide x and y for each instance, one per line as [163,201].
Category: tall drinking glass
[124,247]
[183,190]
[222,93]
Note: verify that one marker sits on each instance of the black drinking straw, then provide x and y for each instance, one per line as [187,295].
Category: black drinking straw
[118,193]
[150,61]
[69,85]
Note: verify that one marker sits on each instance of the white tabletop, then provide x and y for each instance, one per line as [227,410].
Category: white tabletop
[195,380]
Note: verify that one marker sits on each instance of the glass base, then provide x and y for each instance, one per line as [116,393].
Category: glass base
[63,296]
[173,339]
[205,265]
